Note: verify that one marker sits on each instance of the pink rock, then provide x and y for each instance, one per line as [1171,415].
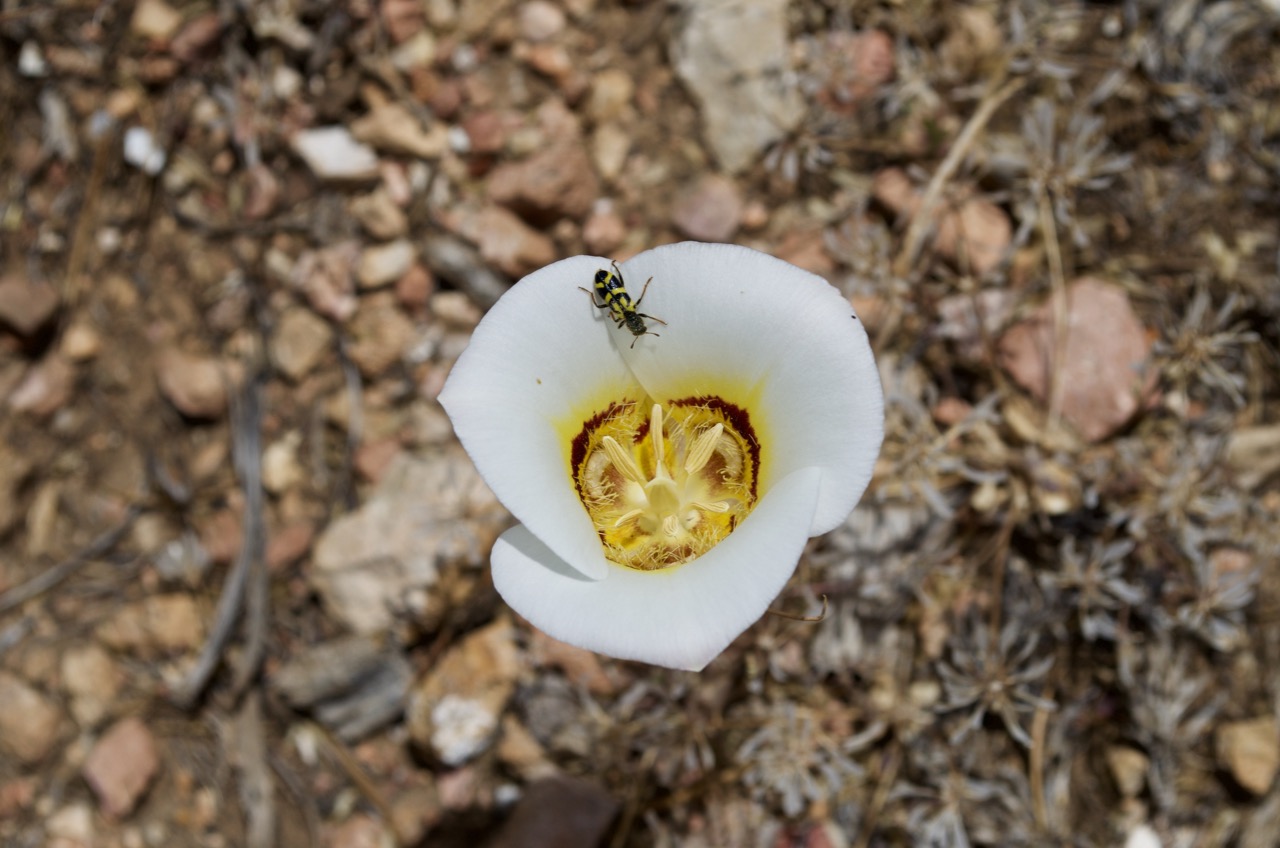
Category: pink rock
[504,240]
[1103,368]
[709,210]
[29,721]
[857,65]
[195,385]
[45,387]
[557,181]
[487,130]
[973,234]
[121,766]
[26,306]
[603,231]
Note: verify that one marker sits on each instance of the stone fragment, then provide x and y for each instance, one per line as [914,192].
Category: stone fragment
[379,562]
[360,831]
[81,342]
[300,341]
[1103,369]
[382,264]
[143,152]
[557,181]
[559,811]
[610,146]
[455,309]
[402,19]
[582,667]
[92,679]
[196,36]
[16,797]
[327,279]
[380,334]
[415,287]
[504,241]
[121,767]
[289,544]
[539,20]
[610,96]
[26,307]
[45,388]
[520,752]
[380,215]
[856,64]
[29,721]
[281,470]
[195,385]
[71,827]
[155,19]
[393,128]
[1129,768]
[1253,453]
[333,153]
[156,625]
[971,320]
[604,230]
[973,234]
[1250,751]
[488,129]
[454,711]
[735,58]
[709,210]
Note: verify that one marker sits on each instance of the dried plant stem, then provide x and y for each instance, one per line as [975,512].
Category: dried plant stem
[250,753]
[1035,765]
[888,774]
[50,577]
[356,774]
[1058,282]
[923,216]
[82,237]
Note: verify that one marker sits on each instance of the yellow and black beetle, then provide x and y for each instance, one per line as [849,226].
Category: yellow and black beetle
[613,291]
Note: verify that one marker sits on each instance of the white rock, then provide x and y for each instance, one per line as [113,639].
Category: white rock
[142,152]
[31,61]
[332,153]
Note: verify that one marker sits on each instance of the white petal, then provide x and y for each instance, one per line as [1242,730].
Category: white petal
[775,339]
[520,391]
[680,618]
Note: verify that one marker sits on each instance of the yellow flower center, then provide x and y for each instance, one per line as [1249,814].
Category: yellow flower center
[664,488]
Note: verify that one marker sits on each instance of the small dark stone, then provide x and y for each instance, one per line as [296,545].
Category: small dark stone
[559,812]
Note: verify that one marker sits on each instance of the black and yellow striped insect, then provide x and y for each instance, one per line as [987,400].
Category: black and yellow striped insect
[613,291]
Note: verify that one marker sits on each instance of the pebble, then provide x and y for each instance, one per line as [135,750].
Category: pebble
[559,811]
[16,796]
[1104,369]
[380,334]
[333,153]
[414,288]
[539,20]
[26,307]
[281,470]
[580,666]
[858,63]
[155,19]
[359,831]
[1129,768]
[973,236]
[487,130]
[121,766]
[455,309]
[195,385]
[557,181]
[610,146]
[1250,751]
[731,55]
[326,278]
[391,127]
[604,230]
[382,264]
[454,711]
[380,215]
[520,752]
[1253,454]
[709,210]
[402,19]
[81,342]
[156,625]
[301,339]
[196,36]
[287,546]
[142,152]
[970,319]
[92,679]
[380,561]
[504,241]
[71,827]
[610,95]
[29,721]
[45,388]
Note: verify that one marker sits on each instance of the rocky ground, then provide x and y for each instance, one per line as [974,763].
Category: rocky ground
[243,586]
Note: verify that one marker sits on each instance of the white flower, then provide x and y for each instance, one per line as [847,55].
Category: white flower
[666,483]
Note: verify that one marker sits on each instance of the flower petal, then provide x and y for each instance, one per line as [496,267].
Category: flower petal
[742,321]
[540,356]
[680,618]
